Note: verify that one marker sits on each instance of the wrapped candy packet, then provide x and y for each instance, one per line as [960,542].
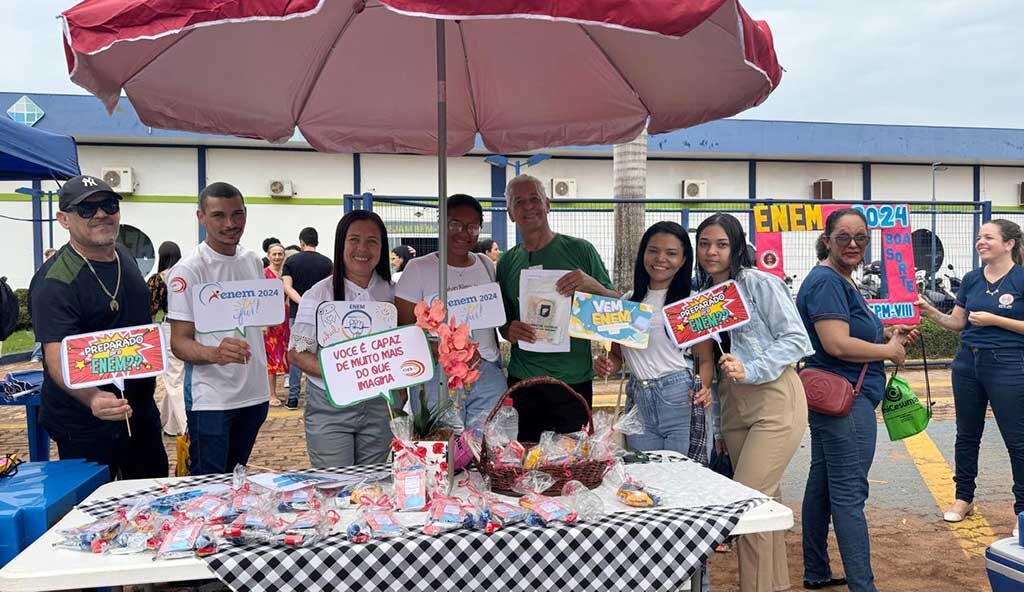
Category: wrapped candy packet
[175,500]
[186,539]
[94,536]
[633,492]
[502,445]
[448,513]
[410,484]
[510,455]
[254,526]
[208,508]
[375,519]
[308,528]
[606,425]
[586,503]
[544,509]
[409,470]
[557,449]
[367,491]
[298,500]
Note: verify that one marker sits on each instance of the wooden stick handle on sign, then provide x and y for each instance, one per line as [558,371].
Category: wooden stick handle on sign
[126,422]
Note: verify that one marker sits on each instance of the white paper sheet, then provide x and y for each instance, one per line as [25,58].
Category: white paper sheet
[543,308]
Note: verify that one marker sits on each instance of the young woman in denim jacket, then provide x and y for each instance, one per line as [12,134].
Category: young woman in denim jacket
[661,378]
[763,406]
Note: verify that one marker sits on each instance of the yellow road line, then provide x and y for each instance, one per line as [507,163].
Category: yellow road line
[974,533]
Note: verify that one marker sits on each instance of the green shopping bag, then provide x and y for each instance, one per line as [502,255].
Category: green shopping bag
[903,413]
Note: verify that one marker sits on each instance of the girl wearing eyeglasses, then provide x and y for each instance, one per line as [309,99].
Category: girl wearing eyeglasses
[846,336]
[989,368]
[763,407]
[419,282]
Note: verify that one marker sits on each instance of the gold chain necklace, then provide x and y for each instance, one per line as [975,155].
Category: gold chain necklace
[114,306]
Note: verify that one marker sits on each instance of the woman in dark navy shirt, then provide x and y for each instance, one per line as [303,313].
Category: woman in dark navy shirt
[846,335]
[989,368]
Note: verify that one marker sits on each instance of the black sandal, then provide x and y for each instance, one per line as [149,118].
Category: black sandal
[825,584]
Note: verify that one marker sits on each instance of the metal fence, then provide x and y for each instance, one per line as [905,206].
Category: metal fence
[413,220]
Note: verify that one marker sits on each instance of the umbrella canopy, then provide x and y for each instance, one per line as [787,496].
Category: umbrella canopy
[27,153]
[359,76]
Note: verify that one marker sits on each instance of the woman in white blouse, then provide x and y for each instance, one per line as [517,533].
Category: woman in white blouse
[360,434]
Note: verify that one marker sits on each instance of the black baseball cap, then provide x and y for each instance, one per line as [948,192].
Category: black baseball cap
[77,189]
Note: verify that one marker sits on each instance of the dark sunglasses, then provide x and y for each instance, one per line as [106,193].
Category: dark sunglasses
[87,209]
[844,240]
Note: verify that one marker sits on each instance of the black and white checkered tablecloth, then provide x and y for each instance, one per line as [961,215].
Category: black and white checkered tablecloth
[655,549]
[631,551]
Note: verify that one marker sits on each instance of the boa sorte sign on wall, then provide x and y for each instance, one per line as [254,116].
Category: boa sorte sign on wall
[110,357]
[705,314]
[893,220]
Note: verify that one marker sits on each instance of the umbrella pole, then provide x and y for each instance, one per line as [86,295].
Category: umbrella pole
[442,178]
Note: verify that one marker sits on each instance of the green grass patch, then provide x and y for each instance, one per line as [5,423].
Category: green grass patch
[19,341]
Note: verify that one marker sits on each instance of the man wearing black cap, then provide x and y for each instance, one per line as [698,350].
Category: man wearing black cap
[94,284]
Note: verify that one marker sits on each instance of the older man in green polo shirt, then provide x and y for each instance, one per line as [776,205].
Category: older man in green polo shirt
[547,408]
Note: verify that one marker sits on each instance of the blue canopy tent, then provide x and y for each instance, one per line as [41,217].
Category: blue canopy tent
[28,154]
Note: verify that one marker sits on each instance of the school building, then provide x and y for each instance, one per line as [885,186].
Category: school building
[290,186]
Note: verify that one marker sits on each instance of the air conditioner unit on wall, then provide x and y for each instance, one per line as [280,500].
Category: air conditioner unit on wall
[695,188]
[822,189]
[281,188]
[120,178]
[563,187]
[1020,194]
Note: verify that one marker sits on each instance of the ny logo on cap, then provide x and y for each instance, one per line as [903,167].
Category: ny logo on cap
[88,181]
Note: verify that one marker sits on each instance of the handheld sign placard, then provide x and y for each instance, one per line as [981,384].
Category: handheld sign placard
[109,357]
[372,366]
[610,320]
[480,307]
[341,320]
[233,306]
[704,315]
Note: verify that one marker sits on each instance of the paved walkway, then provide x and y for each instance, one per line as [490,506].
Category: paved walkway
[910,484]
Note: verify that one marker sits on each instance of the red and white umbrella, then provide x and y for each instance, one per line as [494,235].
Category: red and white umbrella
[360,76]
[423,76]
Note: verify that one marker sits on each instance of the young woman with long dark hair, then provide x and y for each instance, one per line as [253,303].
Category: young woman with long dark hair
[763,406]
[359,434]
[661,376]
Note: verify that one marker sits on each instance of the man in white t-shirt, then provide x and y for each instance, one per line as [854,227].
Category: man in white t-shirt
[419,282]
[226,389]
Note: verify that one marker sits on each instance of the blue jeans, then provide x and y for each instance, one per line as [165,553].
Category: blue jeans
[294,377]
[842,449]
[981,377]
[219,440]
[482,398]
[37,352]
[665,409]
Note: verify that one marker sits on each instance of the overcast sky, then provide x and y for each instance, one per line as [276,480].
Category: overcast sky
[927,62]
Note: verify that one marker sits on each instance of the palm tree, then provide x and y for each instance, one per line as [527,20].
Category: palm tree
[629,167]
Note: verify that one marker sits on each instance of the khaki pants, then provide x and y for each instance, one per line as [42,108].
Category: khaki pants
[762,425]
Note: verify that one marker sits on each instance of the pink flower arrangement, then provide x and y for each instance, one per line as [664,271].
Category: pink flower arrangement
[457,351]
[458,355]
[430,318]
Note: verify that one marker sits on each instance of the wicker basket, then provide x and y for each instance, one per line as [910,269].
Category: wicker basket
[589,472]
